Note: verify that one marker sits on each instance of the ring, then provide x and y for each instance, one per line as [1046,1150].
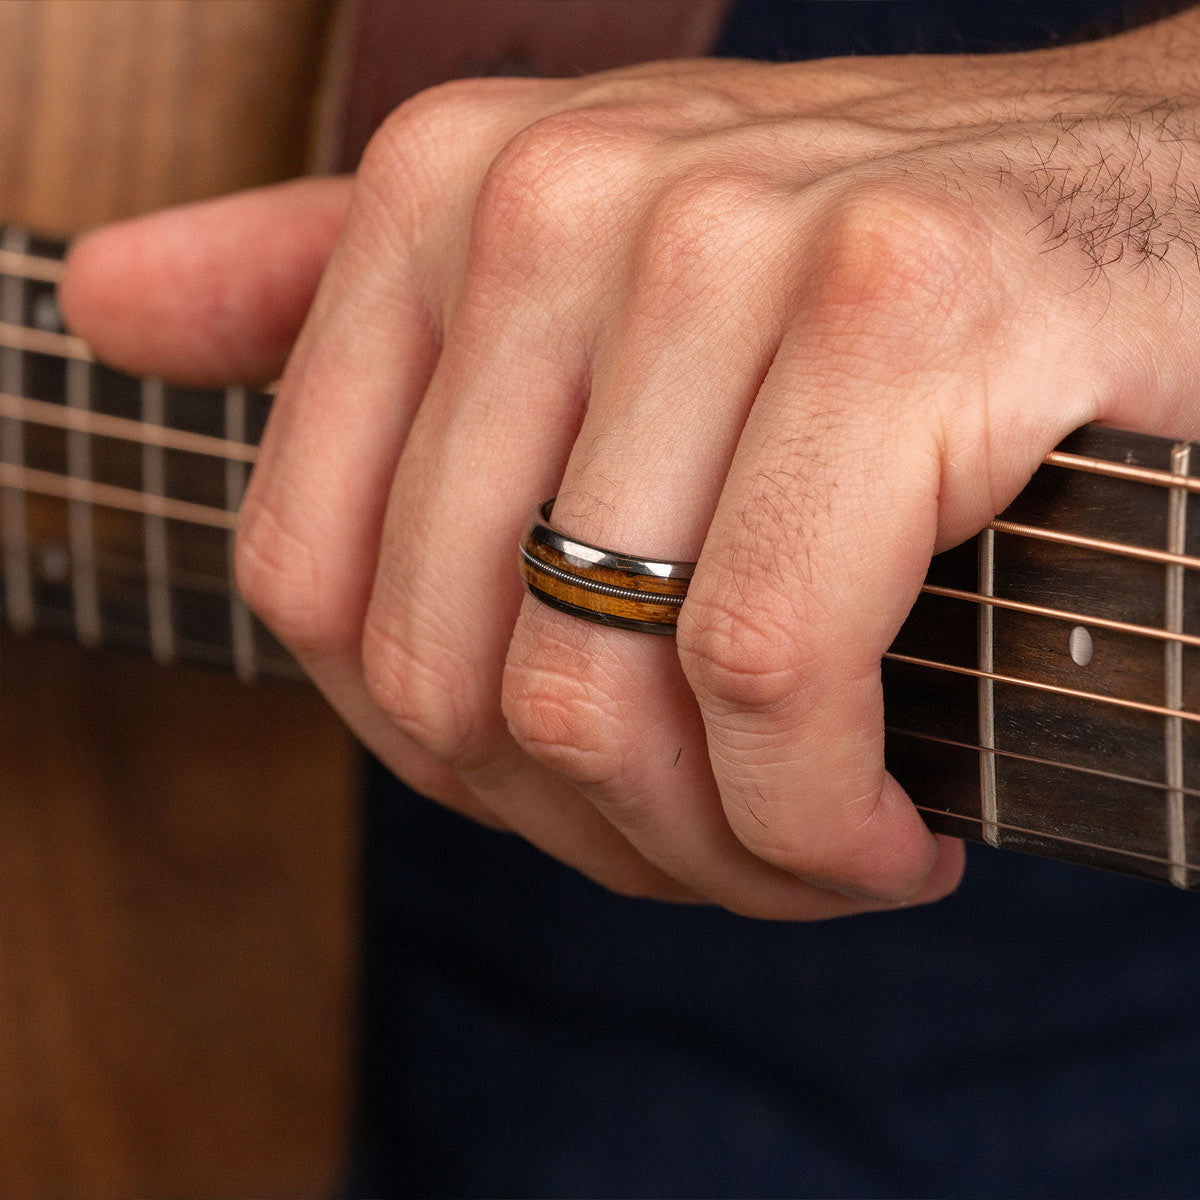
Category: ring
[604,586]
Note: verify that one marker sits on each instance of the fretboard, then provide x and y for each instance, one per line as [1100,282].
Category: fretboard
[1044,694]
[119,495]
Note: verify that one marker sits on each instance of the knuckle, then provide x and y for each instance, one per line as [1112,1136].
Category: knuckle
[279,577]
[697,217]
[696,235]
[739,657]
[422,691]
[402,177]
[434,119]
[902,259]
[546,187]
[560,719]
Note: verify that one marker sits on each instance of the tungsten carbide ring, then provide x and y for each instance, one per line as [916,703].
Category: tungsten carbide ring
[604,586]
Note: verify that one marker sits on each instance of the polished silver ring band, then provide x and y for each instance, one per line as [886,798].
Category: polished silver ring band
[608,587]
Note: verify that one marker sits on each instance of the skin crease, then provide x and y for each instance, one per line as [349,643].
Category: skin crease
[805,324]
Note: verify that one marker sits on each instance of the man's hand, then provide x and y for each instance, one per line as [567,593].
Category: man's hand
[806,324]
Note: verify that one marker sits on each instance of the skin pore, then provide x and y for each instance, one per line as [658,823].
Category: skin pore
[805,324]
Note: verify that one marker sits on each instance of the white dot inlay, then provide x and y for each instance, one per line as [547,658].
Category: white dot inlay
[1081,646]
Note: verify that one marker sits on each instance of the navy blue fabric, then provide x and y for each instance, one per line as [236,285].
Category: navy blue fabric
[795,29]
[527,1034]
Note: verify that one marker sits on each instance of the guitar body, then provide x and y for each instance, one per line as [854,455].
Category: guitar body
[176,847]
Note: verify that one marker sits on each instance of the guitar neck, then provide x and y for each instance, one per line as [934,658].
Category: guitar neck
[1044,694]
[119,494]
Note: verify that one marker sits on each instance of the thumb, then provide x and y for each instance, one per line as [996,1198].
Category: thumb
[205,294]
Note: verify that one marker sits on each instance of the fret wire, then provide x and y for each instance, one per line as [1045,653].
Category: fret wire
[1115,470]
[1173,669]
[240,624]
[1157,710]
[986,699]
[1121,549]
[125,429]
[1141,855]
[18,579]
[1062,614]
[154,529]
[23,265]
[84,592]
[40,341]
[1114,776]
[106,495]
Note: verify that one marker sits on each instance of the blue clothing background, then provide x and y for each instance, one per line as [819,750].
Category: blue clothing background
[526,1033]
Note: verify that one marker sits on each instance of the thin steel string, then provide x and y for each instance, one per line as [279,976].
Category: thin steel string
[43,341]
[124,429]
[1005,826]
[105,495]
[974,747]
[37,267]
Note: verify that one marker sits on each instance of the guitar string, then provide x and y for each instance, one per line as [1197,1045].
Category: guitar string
[44,341]
[1039,685]
[1121,549]
[976,748]
[124,429]
[1062,614]
[106,495]
[40,268]
[1083,843]
[1127,471]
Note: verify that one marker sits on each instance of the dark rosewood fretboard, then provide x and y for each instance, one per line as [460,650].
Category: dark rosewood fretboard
[112,534]
[1044,694]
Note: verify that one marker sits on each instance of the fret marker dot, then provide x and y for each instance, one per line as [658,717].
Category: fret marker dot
[54,562]
[1080,645]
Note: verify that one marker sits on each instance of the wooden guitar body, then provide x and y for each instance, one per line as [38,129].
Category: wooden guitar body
[176,846]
